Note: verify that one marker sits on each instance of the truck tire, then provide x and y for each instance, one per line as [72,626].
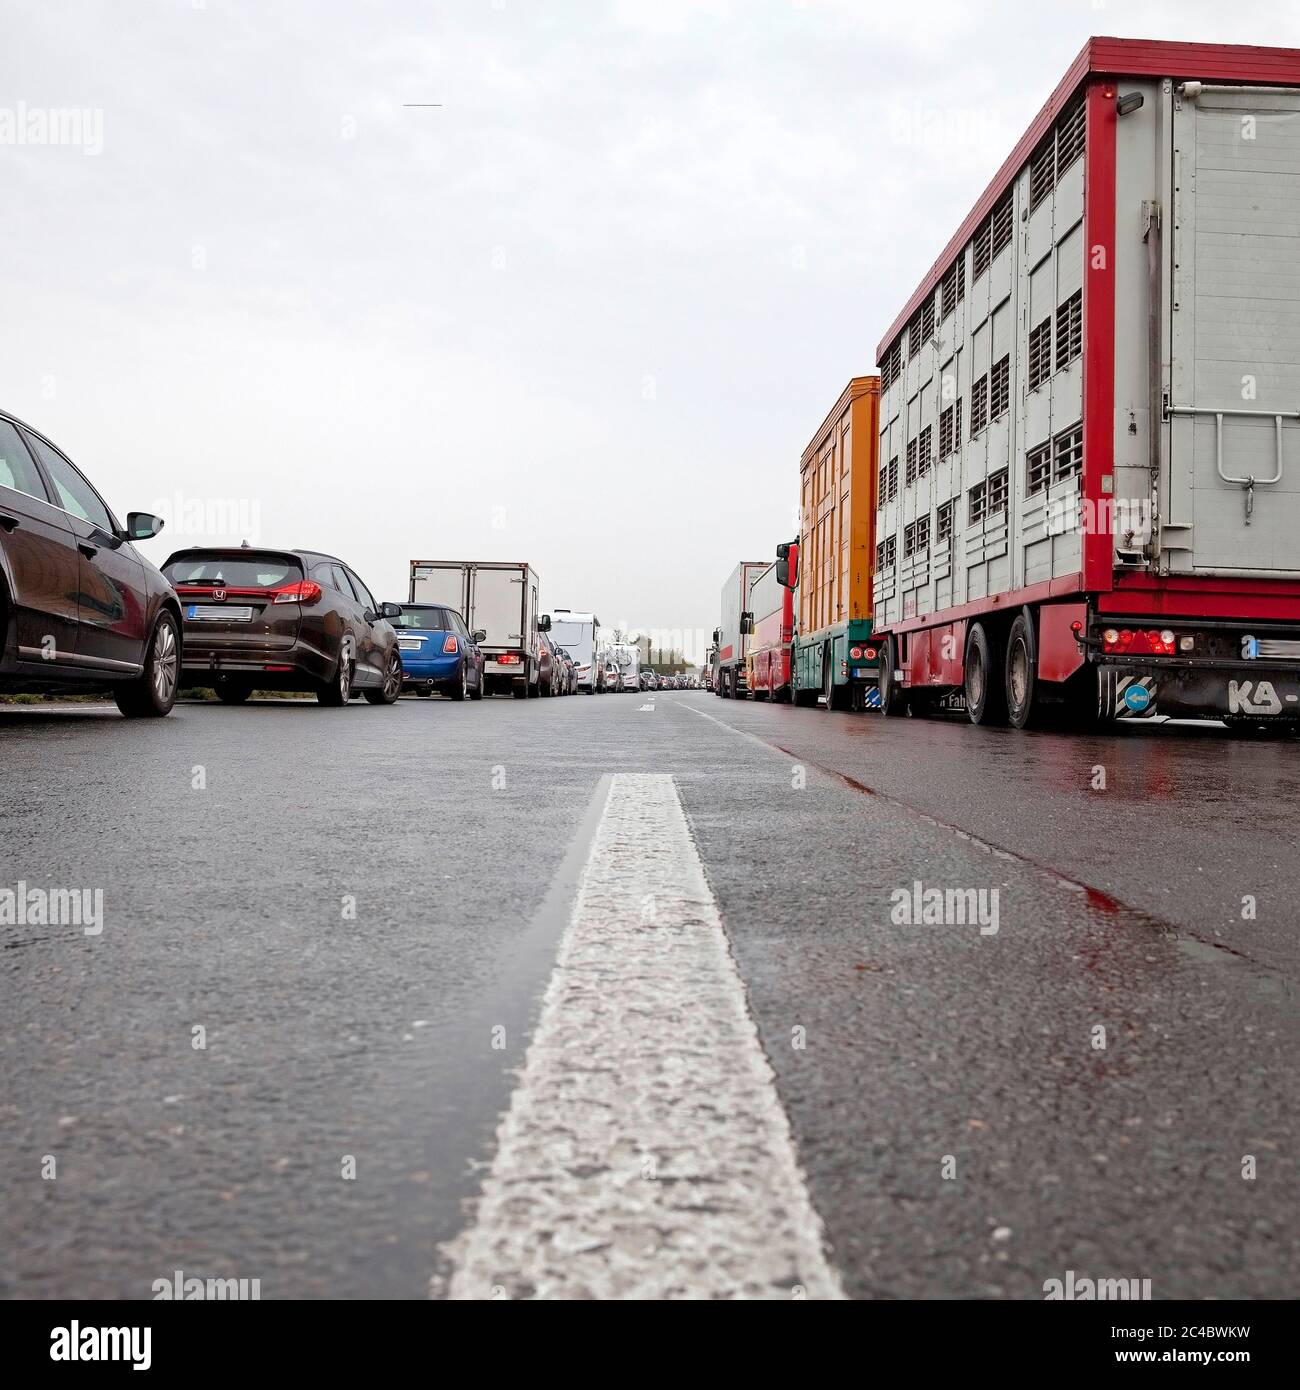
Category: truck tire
[986,695]
[893,698]
[1023,703]
[837,696]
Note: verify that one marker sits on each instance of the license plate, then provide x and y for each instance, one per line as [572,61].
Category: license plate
[410,644]
[218,613]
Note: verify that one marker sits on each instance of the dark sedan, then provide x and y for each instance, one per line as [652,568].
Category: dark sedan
[80,608]
[284,620]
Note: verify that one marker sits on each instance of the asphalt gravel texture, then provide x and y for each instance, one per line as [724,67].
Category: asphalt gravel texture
[360,908]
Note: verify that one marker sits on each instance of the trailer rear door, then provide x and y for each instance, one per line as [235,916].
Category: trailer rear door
[1235,327]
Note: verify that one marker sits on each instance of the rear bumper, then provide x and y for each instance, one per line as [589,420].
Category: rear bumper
[426,670]
[1249,690]
[202,664]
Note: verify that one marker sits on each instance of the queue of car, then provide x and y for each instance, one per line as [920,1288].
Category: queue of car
[82,610]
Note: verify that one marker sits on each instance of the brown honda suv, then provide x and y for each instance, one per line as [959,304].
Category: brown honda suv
[80,608]
[283,620]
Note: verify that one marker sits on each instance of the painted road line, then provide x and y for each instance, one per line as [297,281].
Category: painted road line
[645,1153]
[649,707]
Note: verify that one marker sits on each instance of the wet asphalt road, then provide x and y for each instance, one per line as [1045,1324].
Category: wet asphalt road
[354,905]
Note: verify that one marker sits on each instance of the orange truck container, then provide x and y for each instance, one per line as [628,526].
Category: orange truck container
[833,654]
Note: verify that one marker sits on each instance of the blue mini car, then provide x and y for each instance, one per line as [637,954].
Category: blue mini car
[439,652]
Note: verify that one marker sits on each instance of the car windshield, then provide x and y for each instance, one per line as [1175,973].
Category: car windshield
[426,619]
[239,570]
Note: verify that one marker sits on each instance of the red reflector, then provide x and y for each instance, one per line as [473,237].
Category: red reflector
[305,591]
[450,644]
[277,668]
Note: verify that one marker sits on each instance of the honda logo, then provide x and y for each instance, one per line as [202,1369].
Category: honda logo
[219,595]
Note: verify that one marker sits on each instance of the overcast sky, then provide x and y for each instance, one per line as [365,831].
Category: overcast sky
[586,312]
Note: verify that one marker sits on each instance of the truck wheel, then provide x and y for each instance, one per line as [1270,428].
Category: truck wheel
[1023,704]
[986,698]
[837,696]
[893,698]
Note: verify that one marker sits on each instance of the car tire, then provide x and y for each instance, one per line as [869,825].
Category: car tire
[153,693]
[391,690]
[337,691]
[458,689]
[232,692]
[477,692]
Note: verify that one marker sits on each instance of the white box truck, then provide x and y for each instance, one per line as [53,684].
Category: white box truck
[579,635]
[732,637]
[501,598]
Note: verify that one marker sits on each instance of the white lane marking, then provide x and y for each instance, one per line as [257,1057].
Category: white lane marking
[649,707]
[645,1153]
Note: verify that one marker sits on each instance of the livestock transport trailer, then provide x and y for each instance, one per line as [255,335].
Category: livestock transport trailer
[732,636]
[1094,398]
[767,662]
[833,655]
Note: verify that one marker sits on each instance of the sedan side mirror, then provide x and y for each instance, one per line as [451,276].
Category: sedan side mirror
[478,635]
[142,526]
[390,610]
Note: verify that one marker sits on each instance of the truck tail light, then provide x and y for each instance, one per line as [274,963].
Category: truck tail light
[305,591]
[1148,642]
[450,646]
[508,659]
[869,653]
[1187,643]
[855,653]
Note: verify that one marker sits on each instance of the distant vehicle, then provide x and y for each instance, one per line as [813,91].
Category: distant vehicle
[570,671]
[499,598]
[80,607]
[579,635]
[771,601]
[551,679]
[612,679]
[649,680]
[283,620]
[628,657]
[731,637]
[439,653]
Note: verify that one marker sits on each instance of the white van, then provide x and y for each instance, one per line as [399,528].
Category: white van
[579,635]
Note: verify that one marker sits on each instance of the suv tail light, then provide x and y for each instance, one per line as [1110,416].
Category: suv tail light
[450,646]
[305,591]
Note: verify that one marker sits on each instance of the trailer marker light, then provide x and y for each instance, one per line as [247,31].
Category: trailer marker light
[1076,626]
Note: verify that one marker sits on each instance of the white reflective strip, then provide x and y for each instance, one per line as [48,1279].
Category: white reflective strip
[645,1153]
